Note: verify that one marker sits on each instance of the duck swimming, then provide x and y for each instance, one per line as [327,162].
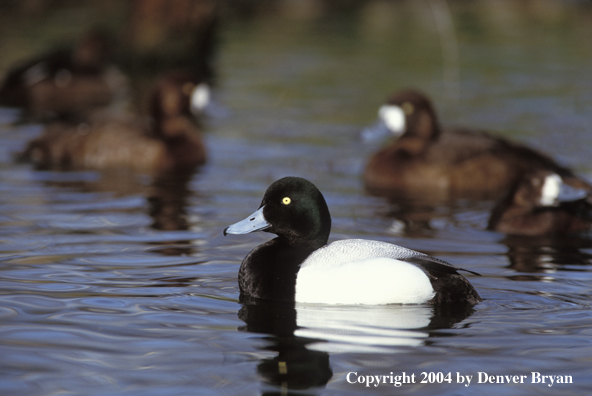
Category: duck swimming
[168,140]
[298,265]
[542,204]
[451,163]
[67,84]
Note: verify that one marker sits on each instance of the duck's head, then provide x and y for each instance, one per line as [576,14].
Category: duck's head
[407,112]
[179,93]
[93,51]
[292,208]
[545,189]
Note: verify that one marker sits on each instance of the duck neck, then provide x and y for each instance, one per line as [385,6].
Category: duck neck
[269,271]
[181,138]
[172,127]
[309,234]
[425,125]
[301,243]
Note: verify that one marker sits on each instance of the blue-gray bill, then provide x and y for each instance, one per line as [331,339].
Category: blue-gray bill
[255,222]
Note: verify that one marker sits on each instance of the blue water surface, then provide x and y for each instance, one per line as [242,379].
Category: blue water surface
[99,297]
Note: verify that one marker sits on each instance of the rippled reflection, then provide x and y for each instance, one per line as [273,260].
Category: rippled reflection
[119,285]
[548,254]
[304,336]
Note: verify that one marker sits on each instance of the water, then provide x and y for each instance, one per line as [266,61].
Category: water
[123,285]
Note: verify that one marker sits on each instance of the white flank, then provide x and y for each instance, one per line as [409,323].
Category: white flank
[362,272]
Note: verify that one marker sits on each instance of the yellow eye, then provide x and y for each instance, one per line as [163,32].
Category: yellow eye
[286,201]
[408,108]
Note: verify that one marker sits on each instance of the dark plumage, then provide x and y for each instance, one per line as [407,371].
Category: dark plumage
[541,204]
[66,84]
[170,139]
[298,265]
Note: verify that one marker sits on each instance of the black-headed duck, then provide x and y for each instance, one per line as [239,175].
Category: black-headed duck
[298,265]
[542,204]
[448,163]
[168,140]
[67,84]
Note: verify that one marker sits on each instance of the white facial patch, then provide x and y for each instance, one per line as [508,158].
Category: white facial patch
[550,191]
[393,117]
[200,98]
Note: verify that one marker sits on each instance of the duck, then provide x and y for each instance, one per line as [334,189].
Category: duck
[425,159]
[299,266]
[542,204]
[67,84]
[168,140]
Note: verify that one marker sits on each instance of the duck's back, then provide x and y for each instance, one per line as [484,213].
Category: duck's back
[74,99]
[356,271]
[492,164]
[348,250]
[119,146]
[114,144]
[458,162]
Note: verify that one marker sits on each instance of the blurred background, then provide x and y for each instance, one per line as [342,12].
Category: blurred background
[122,283]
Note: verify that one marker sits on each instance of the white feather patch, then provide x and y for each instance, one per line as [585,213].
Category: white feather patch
[393,117]
[358,271]
[550,190]
[200,98]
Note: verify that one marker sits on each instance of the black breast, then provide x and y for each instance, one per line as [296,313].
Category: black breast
[269,271]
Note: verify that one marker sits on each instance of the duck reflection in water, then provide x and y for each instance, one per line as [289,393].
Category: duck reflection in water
[165,198]
[545,255]
[304,336]
[155,157]
[168,200]
[295,367]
